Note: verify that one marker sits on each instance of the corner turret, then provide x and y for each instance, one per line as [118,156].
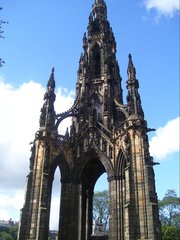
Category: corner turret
[133,98]
[47,117]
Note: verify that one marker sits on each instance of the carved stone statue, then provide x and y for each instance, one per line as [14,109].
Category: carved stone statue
[99,228]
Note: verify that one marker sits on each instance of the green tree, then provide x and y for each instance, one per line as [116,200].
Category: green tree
[169,209]
[170,233]
[9,233]
[13,231]
[6,236]
[169,212]
[101,207]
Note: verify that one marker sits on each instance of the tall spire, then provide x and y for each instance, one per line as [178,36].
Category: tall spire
[133,97]
[51,82]
[98,71]
[99,9]
[47,117]
[97,18]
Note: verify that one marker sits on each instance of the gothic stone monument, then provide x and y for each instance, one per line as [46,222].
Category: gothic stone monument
[106,135]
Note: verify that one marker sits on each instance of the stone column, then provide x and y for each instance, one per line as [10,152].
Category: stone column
[142,183]
[69,210]
[116,210]
[36,190]
[44,208]
[24,219]
[89,209]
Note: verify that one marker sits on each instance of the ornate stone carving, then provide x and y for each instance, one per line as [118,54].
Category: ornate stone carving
[106,135]
[99,228]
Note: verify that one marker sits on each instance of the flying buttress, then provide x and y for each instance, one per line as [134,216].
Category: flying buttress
[72,112]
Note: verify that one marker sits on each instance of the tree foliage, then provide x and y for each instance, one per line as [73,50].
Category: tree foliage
[169,213]
[170,233]
[6,236]
[9,233]
[169,209]
[101,207]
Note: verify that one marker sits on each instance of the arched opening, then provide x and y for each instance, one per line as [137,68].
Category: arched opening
[101,183]
[101,206]
[55,205]
[94,174]
[97,64]
[96,61]
[64,125]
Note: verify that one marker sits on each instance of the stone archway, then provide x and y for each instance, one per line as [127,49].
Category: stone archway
[92,165]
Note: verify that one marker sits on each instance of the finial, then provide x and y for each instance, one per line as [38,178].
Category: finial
[84,36]
[67,132]
[130,64]
[51,82]
[100,2]
[131,71]
[85,41]
[99,9]
[90,17]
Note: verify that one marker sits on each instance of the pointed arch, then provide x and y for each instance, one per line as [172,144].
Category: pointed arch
[102,162]
[60,161]
[90,166]
[121,164]
[95,43]
[95,60]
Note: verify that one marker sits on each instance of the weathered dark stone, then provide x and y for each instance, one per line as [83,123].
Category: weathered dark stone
[106,136]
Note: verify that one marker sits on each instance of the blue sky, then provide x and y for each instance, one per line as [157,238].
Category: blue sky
[44,34]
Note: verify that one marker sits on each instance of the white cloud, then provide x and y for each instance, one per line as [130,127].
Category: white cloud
[20,111]
[19,121]
[54,217]
[165,8]
[10,204]
[166,140]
